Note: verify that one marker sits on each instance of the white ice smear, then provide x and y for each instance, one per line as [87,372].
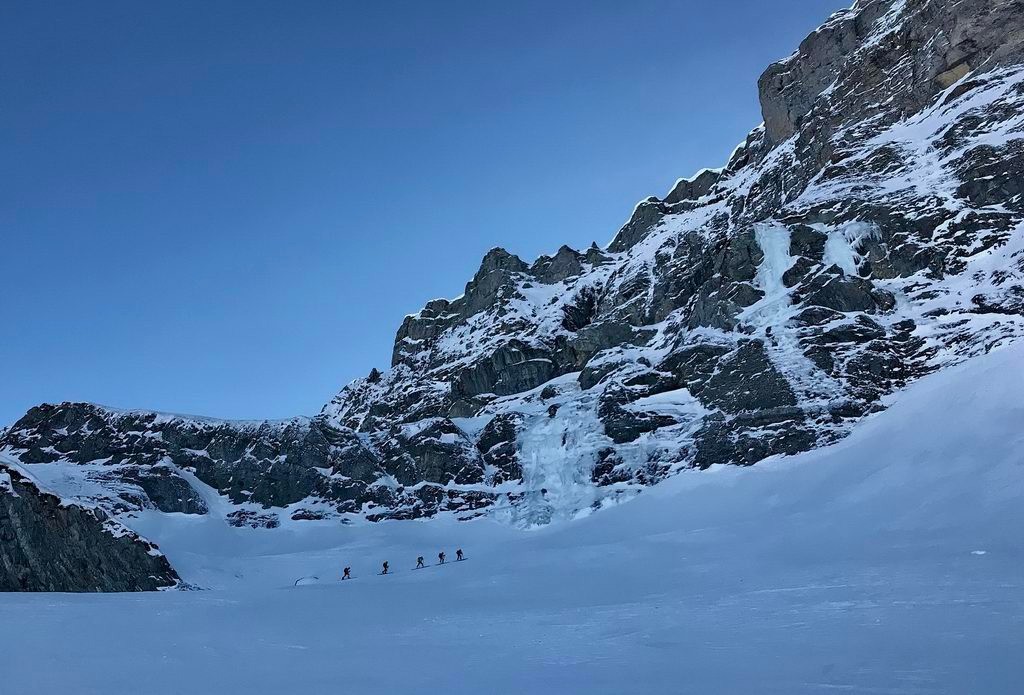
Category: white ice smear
[774,243]
[841,243]
[558,454]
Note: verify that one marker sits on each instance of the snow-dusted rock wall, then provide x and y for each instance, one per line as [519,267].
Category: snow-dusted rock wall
[50,544]
[868,233]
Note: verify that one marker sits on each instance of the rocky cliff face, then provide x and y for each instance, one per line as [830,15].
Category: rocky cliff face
[48,544]
[868,232]
[264,472]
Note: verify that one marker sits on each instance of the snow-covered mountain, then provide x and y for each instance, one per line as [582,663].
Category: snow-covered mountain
[869,232]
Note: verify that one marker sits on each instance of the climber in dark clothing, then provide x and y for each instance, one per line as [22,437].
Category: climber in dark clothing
[458,554]
[440,558]
[419,562]
[385,570]
[345,574]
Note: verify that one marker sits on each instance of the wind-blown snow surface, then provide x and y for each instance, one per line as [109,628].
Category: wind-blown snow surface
[890,562]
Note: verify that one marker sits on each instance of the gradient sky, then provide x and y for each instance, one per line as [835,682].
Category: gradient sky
[226,208]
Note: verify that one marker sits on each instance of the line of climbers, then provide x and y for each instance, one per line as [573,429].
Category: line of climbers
[347,572]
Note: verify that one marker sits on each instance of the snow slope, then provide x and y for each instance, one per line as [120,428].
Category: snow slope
[890,562]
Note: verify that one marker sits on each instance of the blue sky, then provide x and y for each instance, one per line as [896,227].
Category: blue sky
[226,208]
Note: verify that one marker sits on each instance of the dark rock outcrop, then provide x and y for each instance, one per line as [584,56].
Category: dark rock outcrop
[497,445]
[48,544]
[693,188]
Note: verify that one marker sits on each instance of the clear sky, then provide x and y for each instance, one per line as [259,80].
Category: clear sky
[226,208]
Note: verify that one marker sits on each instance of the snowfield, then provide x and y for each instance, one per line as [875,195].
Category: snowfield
[891,562]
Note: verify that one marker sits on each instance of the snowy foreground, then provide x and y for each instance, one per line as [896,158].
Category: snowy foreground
[890,563]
